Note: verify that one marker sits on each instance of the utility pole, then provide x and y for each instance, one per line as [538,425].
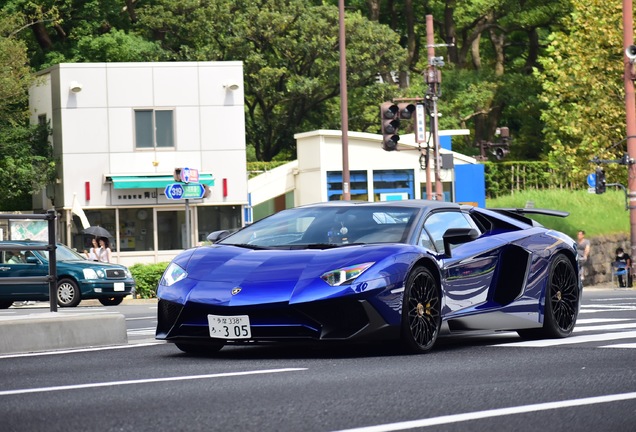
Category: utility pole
[346,193]
[630,112]
[434,80]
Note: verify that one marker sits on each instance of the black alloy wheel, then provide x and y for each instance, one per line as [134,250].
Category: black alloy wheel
[421,311]
[561,302]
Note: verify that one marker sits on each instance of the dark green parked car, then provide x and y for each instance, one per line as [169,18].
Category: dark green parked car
[77,278]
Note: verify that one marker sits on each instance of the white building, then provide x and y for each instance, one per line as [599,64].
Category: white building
[375,174]
[119,132]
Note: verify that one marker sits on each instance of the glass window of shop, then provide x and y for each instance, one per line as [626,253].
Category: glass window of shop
[97,218]
[215,218]
[136,229]
[393,181]
[447,190]
[357,185]
[171,229]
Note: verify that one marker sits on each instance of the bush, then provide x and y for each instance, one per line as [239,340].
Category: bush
[147,278]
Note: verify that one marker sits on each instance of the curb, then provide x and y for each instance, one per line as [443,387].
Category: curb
[52,331]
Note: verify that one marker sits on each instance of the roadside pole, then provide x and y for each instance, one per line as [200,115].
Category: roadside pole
[433,79]
[630,113]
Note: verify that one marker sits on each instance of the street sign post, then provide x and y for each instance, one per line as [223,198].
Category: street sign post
[177,191]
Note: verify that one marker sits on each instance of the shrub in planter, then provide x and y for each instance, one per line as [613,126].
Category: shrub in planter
[147,278]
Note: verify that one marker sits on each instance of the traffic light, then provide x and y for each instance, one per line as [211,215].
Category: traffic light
[600,181]
[500,151]
[389,116]
[406,110]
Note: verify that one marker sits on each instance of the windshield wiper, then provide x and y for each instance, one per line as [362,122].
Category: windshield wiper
[245,245]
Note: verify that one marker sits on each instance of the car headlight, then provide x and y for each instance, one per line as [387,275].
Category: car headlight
[101,273]
[345,275]
[89,273]
[128,274]
[173,274]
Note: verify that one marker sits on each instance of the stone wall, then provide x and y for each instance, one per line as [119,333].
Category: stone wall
[602,253]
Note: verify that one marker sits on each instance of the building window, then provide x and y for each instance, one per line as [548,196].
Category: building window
[154,129]
[357,185]
[215,218]
[393,184]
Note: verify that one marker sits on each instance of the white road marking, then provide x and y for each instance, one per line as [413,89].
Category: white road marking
[456,418]
[145,381]
[600,320]
[571,340]
[627,345]
[71,351]
[578,329]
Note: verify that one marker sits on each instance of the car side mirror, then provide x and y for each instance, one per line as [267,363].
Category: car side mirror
[217,235]
[457,236]
[32,260]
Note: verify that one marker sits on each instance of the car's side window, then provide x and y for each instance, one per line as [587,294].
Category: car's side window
[437,224]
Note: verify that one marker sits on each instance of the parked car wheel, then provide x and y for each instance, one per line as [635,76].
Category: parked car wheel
[421,317]
[200,349]
[5,304]
[111,301]
[561,303]
[68,294]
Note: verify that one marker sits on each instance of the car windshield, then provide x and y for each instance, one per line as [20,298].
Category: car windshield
[63,253]
[327,227]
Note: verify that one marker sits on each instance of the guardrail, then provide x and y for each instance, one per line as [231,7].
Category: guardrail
[51,278]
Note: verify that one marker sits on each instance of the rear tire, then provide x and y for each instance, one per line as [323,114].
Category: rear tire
[201,349]
[421,311]
[68,294]
[561,302]
[5,304]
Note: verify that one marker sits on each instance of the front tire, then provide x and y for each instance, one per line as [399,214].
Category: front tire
[68,294]
[421,311]
[561,302]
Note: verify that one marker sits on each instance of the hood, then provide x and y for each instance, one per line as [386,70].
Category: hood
[273,276]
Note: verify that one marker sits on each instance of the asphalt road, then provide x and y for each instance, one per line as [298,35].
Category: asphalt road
[496,382]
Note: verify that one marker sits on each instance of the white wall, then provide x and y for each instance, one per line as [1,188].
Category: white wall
[94,128]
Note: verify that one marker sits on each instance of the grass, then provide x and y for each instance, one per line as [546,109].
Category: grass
[595,214]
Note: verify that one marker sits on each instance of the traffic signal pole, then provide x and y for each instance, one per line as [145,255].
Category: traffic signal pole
[344,109]
[630,112]
[433,79]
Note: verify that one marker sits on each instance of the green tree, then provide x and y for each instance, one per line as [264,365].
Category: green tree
[583,90]
[291,59]
[27,164]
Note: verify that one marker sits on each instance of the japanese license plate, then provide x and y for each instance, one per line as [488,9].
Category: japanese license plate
[119,286]
[229,327]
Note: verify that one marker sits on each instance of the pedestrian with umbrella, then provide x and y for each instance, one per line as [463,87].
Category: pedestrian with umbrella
[104,252]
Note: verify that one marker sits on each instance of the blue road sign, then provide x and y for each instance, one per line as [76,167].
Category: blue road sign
[174,191]
[591,180]
[185,191]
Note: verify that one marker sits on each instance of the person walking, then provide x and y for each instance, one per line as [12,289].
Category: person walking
[104,252]
[583,249]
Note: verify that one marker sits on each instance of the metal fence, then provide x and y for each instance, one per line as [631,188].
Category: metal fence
[51,278]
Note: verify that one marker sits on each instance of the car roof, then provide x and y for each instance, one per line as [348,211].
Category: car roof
[411,203]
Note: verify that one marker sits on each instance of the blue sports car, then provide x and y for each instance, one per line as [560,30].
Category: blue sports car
[357,271]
